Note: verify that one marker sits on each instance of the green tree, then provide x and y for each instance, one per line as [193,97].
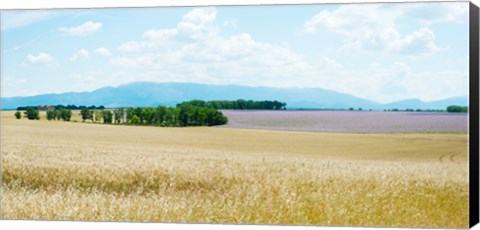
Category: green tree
[32,114]
[215,117]
[65,114]
[457,109]
[86,114]
[148,115]
[200,116]
[57,115]
[160,115]
[171,117]
[130,113]
[107,116]
[186,115]
[18,115]
[241,104]
[138,113]
[50,114]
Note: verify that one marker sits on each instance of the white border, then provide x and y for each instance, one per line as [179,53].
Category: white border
[53,225]
[62,4]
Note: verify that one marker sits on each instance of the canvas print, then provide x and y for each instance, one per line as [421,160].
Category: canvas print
[317,114]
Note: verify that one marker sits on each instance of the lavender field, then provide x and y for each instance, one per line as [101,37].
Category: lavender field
[348,121]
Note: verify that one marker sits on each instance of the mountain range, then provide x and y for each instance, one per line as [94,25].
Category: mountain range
[142,94]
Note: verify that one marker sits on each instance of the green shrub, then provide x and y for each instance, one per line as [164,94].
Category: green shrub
[18,115]
[135,120]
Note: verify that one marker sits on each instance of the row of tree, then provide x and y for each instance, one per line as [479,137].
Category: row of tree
[415,110]
[457,109]
[96,115]
[59,114]
[450,109]
[30,113]
[185,115]
[239,104]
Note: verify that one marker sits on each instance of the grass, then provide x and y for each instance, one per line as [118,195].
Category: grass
[76,171]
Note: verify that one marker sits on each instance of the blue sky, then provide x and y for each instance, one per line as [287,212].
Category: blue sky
[382,52]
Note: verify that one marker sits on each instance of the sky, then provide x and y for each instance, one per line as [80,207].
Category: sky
[382,52]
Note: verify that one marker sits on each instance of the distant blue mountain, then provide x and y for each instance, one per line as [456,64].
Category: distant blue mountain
[143,94]
[419,104]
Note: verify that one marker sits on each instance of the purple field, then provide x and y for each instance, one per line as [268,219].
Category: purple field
[348,121]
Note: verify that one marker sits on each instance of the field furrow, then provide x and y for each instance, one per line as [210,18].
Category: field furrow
[77,171]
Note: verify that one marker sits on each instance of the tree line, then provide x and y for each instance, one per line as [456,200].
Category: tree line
[30,113]
[59,114]
[33,113]
[415,110]
[457,109]
[239,104]
[449,109]
[184,115]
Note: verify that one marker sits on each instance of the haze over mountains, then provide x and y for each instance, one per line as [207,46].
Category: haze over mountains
[141,94]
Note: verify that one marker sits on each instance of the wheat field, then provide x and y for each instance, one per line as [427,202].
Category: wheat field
[83,171]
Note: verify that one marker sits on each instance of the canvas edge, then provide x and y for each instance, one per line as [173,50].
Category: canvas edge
[473,115]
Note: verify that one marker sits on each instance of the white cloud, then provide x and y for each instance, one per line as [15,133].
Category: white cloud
[195,39]
[418,42]
[201,54]
[351,16]
[131,46]
[11,81]
[324,19]
[198,23]
[328,64]
[124,62]
[39,59]
[162,35]
[104,52]
[359,25]
[226,63]
[388,83]
[373,27]
[86,28]
[80,54]
[427,85]
[12,86]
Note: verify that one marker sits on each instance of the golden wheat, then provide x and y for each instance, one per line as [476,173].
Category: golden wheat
[75,171]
